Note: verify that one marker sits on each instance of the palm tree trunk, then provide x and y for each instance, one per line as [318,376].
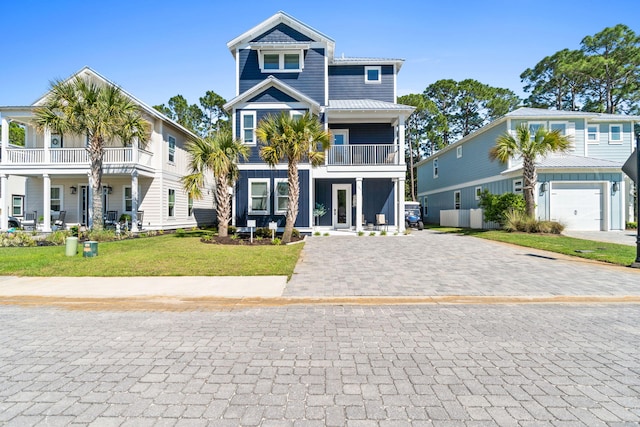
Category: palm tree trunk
[529,178]
[294,196]
[223,200]
[96,155]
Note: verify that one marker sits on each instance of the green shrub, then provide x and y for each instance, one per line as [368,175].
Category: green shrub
[496,207]
[519,221]
[295,233]
[632,225]
[102,235]
[17,238]
[360,233]
[57,237]
[232,229]
[373,233]
[383,233]
[317,233]
[263,232]
[276,241]
[180,232]
[327,234]
[125,218]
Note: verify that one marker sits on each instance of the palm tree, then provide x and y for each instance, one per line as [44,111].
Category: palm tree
[100,112]
[296,139]
[218,154]
[529,147]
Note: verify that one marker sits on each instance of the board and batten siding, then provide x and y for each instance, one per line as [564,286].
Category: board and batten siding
[242,198]
[367,133]
[309,81]
[347,82]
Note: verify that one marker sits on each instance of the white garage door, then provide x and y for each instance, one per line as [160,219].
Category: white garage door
[577,205]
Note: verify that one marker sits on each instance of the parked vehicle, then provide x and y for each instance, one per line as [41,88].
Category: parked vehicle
[412,215]
[14,222]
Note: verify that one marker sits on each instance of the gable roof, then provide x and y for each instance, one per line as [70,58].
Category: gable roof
[281,18]
[270,82]
[87,72]
[368,61]
[541,113]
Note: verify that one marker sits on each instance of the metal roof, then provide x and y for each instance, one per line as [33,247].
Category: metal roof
[527,112]
[366,104]
[573,161]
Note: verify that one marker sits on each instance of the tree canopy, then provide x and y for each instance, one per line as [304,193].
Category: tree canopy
[203,119]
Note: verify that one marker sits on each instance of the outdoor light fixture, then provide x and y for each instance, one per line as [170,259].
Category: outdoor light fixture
[615,187]
[543,187]
[74,189]
[109,189]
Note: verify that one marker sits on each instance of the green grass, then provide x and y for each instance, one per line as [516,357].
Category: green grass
[607,252]
[166,255]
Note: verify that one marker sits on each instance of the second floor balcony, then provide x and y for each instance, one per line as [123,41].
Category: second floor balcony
[363,155]
[20,156]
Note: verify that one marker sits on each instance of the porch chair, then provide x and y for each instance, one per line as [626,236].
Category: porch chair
[381,221]
[30,220]
[111,219]
[59,222]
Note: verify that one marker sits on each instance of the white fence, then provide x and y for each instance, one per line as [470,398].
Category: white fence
[466,218]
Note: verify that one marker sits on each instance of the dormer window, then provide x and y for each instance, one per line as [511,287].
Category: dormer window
[291,61]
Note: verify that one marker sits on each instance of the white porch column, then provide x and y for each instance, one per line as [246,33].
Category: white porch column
[134,200]
[4,201]
[400,205]
[401,146]
[46,198]
[358,204]
[90,201]
[5,143]
[135,154]
[47,145]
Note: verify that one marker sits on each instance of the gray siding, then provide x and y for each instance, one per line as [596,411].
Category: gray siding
[281,33]
[615,152]
[310,81]
[347,82]
[367,133]
[242,198]
[273,95]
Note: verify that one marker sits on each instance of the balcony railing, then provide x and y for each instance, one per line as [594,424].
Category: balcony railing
[75,156]
[362,155]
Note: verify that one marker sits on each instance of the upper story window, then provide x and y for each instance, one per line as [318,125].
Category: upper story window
[435,168]
[563,127]
[172,149]
[615,134]
[248,121]
[533,129]
[288,61]
[593,134]
[373,74]
[459,152]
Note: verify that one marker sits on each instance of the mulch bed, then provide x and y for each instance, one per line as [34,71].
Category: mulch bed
[242,239]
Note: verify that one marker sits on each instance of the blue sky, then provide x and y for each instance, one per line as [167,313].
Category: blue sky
[157,49]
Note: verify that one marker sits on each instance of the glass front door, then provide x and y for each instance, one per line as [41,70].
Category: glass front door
[341,206]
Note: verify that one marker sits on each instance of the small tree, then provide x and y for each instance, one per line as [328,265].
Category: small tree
[495,208]
[530,148]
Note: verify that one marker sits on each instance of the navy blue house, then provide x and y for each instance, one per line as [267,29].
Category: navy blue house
[283,64]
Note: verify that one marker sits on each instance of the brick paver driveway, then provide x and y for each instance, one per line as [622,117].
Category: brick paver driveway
[431,263]
[457,365]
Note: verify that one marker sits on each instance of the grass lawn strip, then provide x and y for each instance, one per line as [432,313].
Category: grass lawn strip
[167,255]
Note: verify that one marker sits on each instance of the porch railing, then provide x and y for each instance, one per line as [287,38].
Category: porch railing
[362,155]
[30,156]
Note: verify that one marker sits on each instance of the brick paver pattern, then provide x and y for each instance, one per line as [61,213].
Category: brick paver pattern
[430,365]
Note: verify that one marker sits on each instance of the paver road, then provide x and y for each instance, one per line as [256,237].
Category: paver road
[429,365]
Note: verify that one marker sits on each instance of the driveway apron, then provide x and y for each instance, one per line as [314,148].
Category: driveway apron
[428,263]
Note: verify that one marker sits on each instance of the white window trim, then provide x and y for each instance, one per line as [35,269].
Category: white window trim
[243,114]
[293,113]
[61,192]
[560,122]
[478,192]
[281,54]
[124,198]
[617,141]
[436,168]
[597,140]
[277,181]
[518,186]
[169,190]
[366,75]
[21,197]
[172,151]
[268,210]
[457,195]
[529,124]
[459,152]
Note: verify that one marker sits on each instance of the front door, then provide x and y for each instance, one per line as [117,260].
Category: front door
[341,205]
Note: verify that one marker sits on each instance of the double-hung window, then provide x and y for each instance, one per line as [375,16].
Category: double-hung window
[248,121]
[172,203]
[286,61]
[615,134]
[56,198]
[282,196]
[258,196]
[127,199]
[17,205]
[593,134]
[533,128]
[172,149]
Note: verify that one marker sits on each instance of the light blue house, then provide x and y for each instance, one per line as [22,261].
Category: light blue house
[585,188]
[283,64]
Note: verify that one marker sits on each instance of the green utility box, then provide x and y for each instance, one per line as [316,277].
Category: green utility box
[90,249]
[72,246]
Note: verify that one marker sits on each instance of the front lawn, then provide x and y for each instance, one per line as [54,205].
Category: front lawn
[607,252]
[167,255]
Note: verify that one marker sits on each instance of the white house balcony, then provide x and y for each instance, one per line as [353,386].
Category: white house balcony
[19,156]
[363,155]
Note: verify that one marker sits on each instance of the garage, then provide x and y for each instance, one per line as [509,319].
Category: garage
[578,205]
